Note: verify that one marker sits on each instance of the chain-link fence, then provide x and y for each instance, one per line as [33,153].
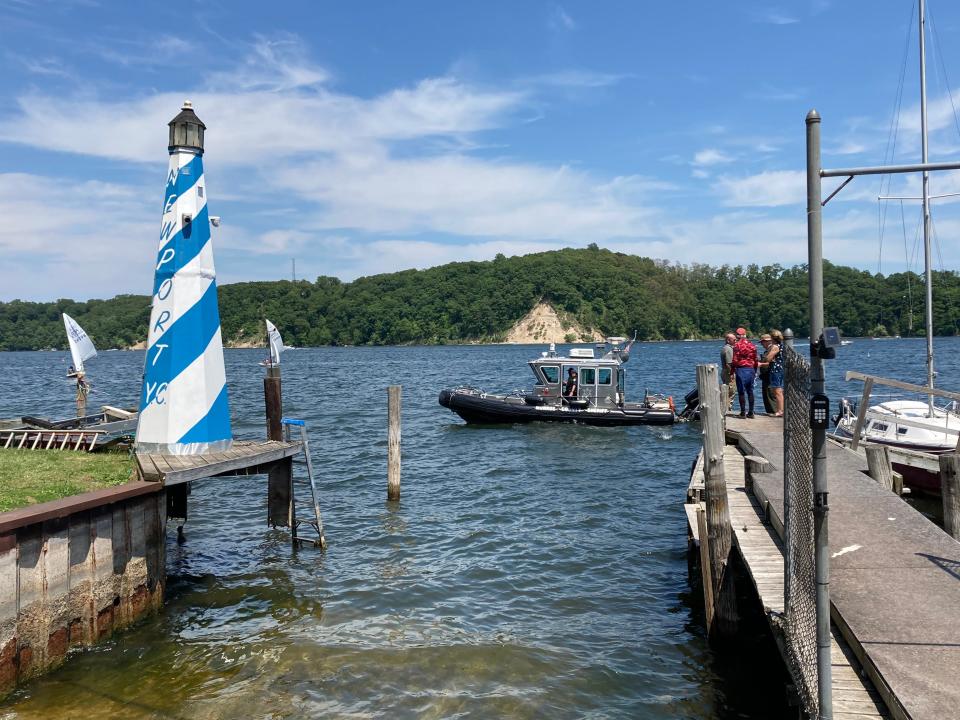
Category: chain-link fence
[799,577]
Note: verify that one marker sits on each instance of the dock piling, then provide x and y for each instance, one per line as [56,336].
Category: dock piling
[393,442]
[705,575]
[280,495]
[950,491]
[273,400]
[878,465]
[719,536]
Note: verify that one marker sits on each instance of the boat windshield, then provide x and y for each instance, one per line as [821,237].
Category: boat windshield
[551,373]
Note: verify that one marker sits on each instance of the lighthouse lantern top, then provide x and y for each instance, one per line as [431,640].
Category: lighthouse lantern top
[186,130]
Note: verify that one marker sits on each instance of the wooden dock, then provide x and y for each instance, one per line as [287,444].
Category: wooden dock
[895,576]
[245,457]
[761,550]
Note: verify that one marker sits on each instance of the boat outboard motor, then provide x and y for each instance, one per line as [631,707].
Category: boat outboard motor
[691,405]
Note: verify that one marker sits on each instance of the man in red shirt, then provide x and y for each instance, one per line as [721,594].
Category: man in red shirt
[745,362]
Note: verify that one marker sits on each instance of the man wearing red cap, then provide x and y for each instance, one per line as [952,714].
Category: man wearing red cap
[745,362]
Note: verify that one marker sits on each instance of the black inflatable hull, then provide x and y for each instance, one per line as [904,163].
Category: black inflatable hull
[493,410]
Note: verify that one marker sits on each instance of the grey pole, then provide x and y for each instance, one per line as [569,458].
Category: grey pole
[817,385]
[788,338]
[927,257]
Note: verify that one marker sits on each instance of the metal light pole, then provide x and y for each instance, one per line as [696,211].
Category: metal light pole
[819,435]
[927,257]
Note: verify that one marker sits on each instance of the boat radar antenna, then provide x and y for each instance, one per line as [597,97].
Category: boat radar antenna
[622,353]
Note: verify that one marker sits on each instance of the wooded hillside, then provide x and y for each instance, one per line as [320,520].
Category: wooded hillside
[479,301]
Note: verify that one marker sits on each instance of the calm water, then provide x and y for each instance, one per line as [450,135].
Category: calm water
[528,572]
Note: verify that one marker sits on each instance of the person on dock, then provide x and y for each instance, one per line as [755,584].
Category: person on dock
[570,386]
[727,378]
[763,370]
[773,362]
[745,363]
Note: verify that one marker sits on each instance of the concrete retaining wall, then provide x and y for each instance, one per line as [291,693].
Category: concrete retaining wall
[74,570]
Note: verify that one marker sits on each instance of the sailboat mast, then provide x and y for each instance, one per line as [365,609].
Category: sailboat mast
[927,258]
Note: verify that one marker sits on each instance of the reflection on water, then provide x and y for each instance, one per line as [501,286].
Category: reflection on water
[531,572]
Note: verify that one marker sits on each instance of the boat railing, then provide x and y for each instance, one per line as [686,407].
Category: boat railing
[870,380]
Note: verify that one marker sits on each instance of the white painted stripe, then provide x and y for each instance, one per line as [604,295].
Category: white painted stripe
[188,286]
[189,398]
[190,203]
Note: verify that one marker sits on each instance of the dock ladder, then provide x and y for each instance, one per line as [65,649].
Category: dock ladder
[317,522]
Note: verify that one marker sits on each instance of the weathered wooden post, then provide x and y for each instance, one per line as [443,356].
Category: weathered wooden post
[950,491]
[393,442]
[706,576]
[719,532]
[878,465]
[280,496]
[273,400]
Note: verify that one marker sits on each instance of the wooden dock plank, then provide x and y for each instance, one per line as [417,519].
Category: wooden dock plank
[244,454]
[894,576]
[762,552]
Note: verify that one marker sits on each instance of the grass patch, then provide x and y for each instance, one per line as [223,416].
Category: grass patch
[28,477]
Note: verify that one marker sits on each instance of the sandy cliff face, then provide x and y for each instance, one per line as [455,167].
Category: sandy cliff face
[543,324]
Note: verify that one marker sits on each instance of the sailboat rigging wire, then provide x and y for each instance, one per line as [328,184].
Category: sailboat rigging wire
[943,69]
[903,223]
[891,148]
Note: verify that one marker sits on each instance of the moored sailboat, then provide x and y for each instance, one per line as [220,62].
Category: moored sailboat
[911,424]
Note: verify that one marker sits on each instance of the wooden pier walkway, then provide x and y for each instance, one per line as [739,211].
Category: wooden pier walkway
[761,549]
[895,576]
[245,457]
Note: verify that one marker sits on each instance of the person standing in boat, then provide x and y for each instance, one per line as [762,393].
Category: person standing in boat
[83,389]
[727,378]
[745,363]
[570,386]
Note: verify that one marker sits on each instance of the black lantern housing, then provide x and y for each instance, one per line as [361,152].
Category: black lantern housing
[186,130]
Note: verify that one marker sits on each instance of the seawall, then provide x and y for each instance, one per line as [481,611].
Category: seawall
[74,570]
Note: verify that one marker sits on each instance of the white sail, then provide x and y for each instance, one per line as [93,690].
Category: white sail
[81,347]
[276,343]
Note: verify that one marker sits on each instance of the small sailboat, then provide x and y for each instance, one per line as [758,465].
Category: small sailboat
[81,350]
[276,346]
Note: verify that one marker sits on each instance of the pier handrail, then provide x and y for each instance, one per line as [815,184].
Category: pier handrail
[868,383]
[910,387]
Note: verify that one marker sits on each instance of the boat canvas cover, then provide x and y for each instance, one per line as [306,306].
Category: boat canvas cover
[81,346]
[276,343]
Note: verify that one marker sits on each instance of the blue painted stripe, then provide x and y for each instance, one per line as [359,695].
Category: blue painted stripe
[185,341]
[215,425]
[185,248]
[185,180]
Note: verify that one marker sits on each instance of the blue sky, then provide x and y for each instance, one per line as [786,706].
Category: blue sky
[369,137]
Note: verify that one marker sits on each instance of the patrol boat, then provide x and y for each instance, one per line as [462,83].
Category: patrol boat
[599,397]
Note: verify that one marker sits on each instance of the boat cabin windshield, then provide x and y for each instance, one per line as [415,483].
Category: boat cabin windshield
[598,380]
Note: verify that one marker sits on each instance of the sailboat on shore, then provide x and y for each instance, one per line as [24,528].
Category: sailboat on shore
[912,424]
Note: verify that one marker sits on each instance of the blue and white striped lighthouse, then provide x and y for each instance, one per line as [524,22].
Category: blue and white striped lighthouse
[183,402]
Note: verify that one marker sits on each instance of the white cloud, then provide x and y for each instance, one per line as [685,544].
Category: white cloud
[710,156]
[468,197]
[64,239]
[561,20]
[774,16]
[770,188]
[247,127]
